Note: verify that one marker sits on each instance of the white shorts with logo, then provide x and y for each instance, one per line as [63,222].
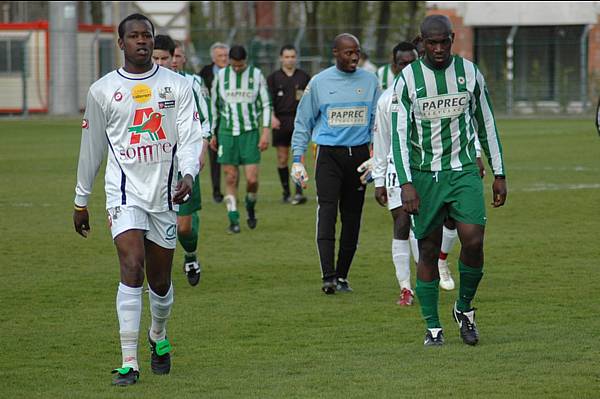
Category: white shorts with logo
[158,227]
[393,189]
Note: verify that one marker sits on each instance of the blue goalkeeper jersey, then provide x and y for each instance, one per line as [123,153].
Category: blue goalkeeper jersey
[337,109]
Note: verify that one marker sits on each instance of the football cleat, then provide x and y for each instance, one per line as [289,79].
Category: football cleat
[286,198]
[125,376]
[160,359]
[466,325]
[406,297]
[251,218]
[434,337]
[343,285]
[234,228]
[446,281]
[299,199]
[329,287]
[217,197]
[192,270]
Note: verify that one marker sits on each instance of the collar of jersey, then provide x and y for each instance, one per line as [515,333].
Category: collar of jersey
[138,76]
[433,69]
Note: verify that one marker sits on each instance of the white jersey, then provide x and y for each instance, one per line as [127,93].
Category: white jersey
[149,125]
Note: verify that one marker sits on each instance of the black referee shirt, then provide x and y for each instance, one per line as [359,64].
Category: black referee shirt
[286,91]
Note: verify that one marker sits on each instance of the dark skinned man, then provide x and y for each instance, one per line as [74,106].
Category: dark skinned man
[337,110]
[144,117]
[440,103]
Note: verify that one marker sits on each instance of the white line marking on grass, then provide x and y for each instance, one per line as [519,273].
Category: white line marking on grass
[559,187]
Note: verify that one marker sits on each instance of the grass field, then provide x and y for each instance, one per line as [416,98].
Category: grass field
[258,326]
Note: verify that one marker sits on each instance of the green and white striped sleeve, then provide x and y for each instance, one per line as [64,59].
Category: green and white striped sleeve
[265,101]
[214,106]
[203,109]
[487,131]
[401,130]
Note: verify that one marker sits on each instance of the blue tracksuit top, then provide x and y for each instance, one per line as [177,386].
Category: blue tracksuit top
[337,108]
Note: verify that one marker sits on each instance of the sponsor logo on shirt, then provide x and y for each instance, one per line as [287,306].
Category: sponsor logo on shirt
[118,96]
[148,141]
[85,124]
[166,104]
[347,116]
[444,106]
[165,93]
[239,96]
[141,93]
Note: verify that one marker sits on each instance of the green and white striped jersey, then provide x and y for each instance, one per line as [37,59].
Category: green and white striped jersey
[239,99]
[202,102]
[385,76]
[435,117]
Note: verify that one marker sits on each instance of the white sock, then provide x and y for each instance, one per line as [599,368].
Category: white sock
[160,309]
[231,203]
[129,312]
[401,258]
[414,246]
[449,237]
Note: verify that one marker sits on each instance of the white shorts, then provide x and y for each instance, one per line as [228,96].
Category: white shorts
[393,189]
[159,227]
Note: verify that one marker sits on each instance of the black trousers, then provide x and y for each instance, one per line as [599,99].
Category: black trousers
[338,185]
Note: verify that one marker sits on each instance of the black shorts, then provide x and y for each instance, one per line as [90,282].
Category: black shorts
[282,137]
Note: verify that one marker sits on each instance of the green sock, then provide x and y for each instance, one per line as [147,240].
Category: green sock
[250,200]
[234,217]
[190,242]
[428,293]
[469,280]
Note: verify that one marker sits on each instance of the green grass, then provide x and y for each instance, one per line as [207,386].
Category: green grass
[258,326]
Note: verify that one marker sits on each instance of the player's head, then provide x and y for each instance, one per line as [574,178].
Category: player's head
[238,58]
[219,53]
[288,56]
[404,53]
[346,50]
[179,58]
[418,42]
[136,39]
[164,48]
[436,31]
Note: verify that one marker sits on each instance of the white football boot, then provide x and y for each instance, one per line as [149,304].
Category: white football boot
[446,281]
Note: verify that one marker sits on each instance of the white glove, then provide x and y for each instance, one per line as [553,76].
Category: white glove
[299,175]
[366,168]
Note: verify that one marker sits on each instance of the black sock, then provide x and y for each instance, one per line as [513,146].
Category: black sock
[284,177]
[298,189]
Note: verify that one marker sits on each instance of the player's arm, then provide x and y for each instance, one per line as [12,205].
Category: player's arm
[489,139]
[265,100]
[203,109]
[189,143]
[93,148]
[214,110]
[401,132]
[381,148]
[306,117]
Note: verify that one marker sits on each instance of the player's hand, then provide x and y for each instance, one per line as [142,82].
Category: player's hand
[263,143]
[366,168]
[499,192]
[214,143]
[481,167]
[202,160]
[275,123]
[183,189]
[381,196]
[299,175]
[81,221]
[410,199]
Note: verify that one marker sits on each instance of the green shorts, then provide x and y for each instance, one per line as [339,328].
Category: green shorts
[447,193]
[238,150]
[194,203]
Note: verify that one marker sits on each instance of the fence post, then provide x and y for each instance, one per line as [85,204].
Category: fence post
[583,69]
[24,75]
[509,69]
